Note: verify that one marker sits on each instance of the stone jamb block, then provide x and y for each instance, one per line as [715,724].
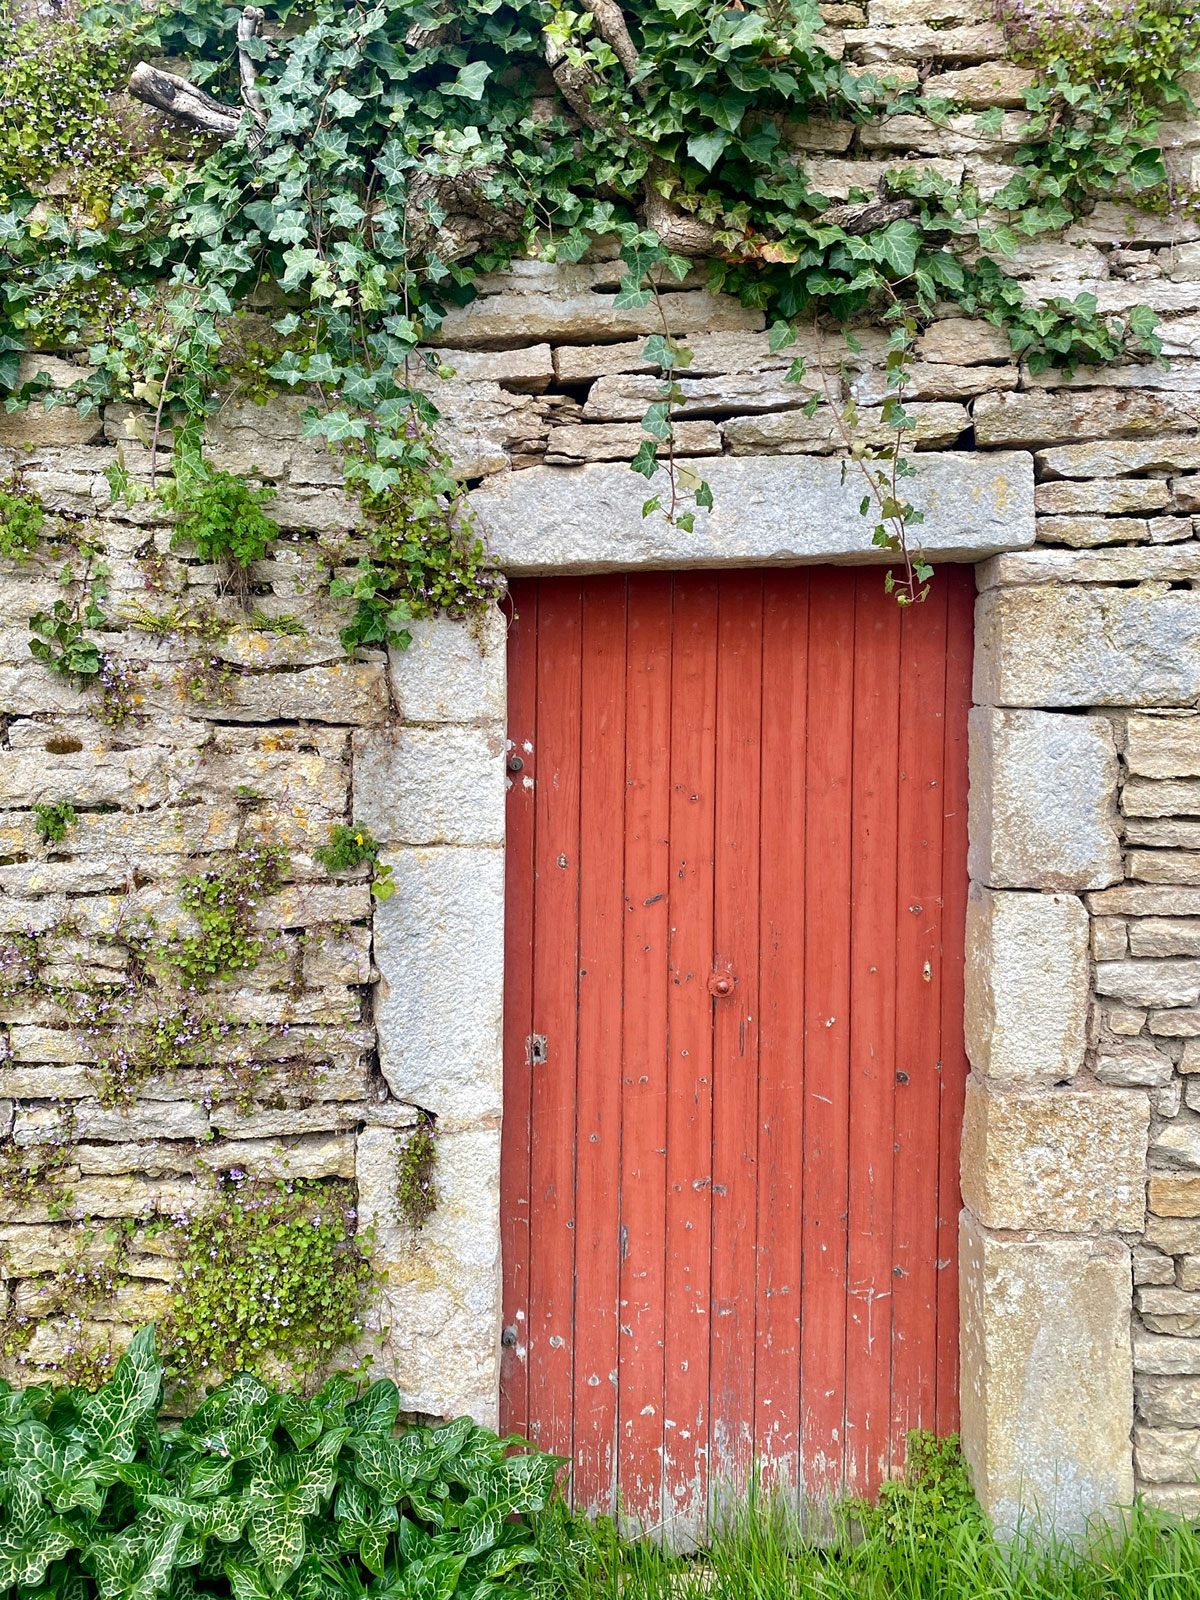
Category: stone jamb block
[1065,1160]
[439,948]
[1043,801]
[1047,1377]
[1027,985]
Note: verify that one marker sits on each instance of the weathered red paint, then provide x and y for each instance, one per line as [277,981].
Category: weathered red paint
[736,894]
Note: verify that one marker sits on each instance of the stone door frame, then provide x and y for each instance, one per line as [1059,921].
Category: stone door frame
[1050,1174]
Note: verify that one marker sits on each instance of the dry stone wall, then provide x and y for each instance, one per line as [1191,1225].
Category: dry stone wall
[1078,495]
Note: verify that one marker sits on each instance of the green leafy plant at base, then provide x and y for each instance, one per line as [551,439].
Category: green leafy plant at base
[269,1272]
[21,522]
[52,822]
[258,1493]
[224,902]
[352,847]
[416,1168]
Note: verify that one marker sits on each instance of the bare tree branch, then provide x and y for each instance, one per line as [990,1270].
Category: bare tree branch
[612,28]
[249,27]
[178,98]
[169,93]
[680,233]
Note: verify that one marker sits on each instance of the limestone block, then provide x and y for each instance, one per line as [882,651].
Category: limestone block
[1141,798]
[1113,497]
[451,672]
[1058,645]
[441,785]
[1120,222]
[1176,1236]
[105,1197]
[902,13]
[1189,1273]
[33,427]
[1049,565]
[303,905]
[816,133]
[1065,1159]
[1177,1144]
[1149,1266]
[1047,1389]
[1085,533]
[936,424]
[1164,866]
[996,83]
[1164,746]
[1145,900]
[624,397]
[26,1249]
[1186,492]
[345,692]
[177,1120]
[1173,833]
[1150,983]
[936,380]
[317,1156]
[530,369]
[1180,1024]
[1135,1064]
[336,956]
[1167,1455]
[1171,1196]
[1124,1021]
[495,320]
[711,353]
[439,946]
[440,1305]
[959,135]
[1176,1499]
[1157,1356]
[1103,460]
[1042,801]
[963,341]
[1044,418]
[766,509]
[1109,938]
[620,441]
[1027,985]
[332,1116]
[1056,258]
[923,42]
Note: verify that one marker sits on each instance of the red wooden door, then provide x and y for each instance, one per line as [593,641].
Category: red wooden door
[733,1047]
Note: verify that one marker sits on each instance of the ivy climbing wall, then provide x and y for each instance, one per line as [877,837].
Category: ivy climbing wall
[227,1059]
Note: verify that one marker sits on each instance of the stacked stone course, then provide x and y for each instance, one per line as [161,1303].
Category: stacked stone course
[1080,497]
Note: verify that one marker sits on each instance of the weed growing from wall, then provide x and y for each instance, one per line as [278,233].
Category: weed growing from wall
[352,847]
[269,1272]
[416,1174]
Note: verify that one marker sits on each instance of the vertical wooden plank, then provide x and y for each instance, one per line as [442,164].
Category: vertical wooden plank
[735,1029]
[598,1132]
[555,1015]
[644,1035]
[919,971]
[960,583]
[781,1081]
[689,1064]
[872,1034]
[518,1007]
[826,1030]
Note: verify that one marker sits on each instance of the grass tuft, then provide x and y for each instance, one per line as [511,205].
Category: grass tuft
[925,1538]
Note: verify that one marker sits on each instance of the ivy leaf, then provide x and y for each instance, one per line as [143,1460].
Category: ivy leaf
[898,245]
[780,336]
[470,81]
[708,148]
[991,120]
[631,296]
[999,237]
[657,420]
[342,104]
[645,461]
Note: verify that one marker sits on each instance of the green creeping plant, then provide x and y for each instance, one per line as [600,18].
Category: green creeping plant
[256,1494]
